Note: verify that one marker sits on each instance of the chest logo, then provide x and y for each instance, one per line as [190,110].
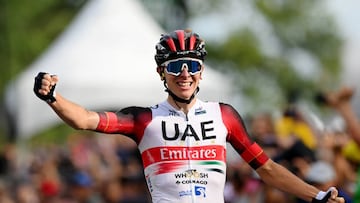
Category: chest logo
[172,131]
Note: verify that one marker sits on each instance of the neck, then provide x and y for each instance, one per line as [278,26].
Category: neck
[181,100]
[181,106]
[180,103]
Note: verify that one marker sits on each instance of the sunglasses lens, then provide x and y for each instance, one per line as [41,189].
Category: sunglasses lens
[194,67]
[176,67]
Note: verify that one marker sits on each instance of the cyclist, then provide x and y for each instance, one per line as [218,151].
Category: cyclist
[182,140]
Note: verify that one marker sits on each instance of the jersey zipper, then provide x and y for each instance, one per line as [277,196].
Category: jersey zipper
[189,144]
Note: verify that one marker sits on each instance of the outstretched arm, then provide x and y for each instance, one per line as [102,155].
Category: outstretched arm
[73,114]
[270,172]
[277,176]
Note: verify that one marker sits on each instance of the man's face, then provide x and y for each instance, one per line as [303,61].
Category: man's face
[184,81]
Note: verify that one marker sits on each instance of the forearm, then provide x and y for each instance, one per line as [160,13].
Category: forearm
[74,115]
[277,176]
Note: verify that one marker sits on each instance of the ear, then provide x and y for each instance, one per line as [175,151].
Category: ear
[160,71]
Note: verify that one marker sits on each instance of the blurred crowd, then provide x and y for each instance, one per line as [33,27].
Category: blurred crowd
[88,169]
[97,168]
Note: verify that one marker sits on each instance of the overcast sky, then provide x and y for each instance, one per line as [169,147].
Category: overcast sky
[348,15]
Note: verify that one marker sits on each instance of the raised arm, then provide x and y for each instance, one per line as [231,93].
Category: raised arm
[341,102]
[73,114]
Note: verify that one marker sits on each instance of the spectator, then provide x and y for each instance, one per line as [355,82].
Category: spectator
[82,188]
[340,100]
[5,193]
[293,127]
[322,175]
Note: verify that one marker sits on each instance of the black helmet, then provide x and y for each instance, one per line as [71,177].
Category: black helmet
[180,43]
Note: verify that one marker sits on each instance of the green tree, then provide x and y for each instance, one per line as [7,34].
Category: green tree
[26,29]
[305,37]
[299,56]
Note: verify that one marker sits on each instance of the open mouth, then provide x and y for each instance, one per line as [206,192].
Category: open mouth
[184,84]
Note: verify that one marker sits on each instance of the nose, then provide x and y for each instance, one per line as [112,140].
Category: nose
[184,70]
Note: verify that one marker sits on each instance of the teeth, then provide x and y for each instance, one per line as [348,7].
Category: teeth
[184,84]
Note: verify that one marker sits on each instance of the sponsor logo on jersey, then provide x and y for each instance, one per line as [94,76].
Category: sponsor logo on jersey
[174,153]
[185,193]
[191,176]
[202,182]
[172,131]
[148,180]
[155,106]
[191,173]
[184,153]
[199,191]
[200,111]
[173,113]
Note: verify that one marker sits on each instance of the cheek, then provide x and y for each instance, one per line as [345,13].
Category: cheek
[169,78]
[197,77]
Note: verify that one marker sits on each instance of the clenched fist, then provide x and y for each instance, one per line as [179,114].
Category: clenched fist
[344,94]
[44,86]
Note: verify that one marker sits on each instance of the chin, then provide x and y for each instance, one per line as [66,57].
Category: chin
[186,95]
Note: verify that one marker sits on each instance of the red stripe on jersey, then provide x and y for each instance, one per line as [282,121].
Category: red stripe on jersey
[259,161]
[181,35]
[110,122]
[107,119]
[164,154]
[262,158]
[239,139]
[130,121]
[171,44]
[168,167]
[252,153]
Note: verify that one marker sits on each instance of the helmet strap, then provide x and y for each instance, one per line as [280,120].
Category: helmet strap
[178,99]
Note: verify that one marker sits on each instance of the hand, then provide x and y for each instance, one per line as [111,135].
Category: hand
[342,95]
[330,196]
[44,86]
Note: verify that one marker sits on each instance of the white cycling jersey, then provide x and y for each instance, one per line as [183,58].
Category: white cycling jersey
[184,155]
